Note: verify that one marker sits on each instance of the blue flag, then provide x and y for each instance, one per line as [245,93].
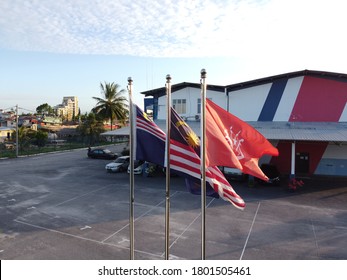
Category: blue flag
[150,139]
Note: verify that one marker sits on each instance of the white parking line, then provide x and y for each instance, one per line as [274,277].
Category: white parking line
[63,233]
[79,196]
[82,238]
[104,242]
[315,237]
[144,214]
[249,233]
[187,227]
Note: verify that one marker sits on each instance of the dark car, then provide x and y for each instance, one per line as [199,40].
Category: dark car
[272,173]
[232,174]
[101,153]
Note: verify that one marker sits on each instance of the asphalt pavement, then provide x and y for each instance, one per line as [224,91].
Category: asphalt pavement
[66,206]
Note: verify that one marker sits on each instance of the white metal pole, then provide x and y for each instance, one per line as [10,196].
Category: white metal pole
[131,153]
[167,193]
[203,164]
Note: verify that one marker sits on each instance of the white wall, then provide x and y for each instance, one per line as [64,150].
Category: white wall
[191,95]
[343,117]
[247,103]
[335,151]
[288,99]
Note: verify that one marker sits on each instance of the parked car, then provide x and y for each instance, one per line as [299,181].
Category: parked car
[138,167]
[101,153]
[233,173]
[119,165]
[272,173]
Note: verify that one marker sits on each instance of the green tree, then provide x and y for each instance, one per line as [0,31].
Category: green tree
[23,138]
[27,136]
[83,117]
[40,138]
[44,108]
[113,105]
[91,128]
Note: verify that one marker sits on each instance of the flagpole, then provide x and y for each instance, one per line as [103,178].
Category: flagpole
[131,164]
[167,193]
[203,163]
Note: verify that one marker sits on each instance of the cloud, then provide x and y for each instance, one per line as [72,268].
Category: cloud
[167,28]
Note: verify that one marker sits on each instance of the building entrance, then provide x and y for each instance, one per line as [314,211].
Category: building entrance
[302,163]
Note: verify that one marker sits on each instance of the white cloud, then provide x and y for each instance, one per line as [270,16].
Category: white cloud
[258,29]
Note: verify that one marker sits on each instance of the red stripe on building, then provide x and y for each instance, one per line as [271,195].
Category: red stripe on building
[319,100]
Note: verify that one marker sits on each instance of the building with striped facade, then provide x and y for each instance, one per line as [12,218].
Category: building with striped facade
[303,113]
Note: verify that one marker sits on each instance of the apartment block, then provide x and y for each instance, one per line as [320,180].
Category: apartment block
[68,109]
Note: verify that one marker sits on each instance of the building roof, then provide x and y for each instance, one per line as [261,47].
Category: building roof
[123,131]
[303,131]
[5,128]
[313,73]
[291,131]
[158,92]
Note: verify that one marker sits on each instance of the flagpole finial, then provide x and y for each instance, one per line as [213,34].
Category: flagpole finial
[203,73]
[130,80]
[168,78]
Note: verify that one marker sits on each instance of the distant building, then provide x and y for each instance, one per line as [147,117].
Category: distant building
[49,120]
[6,133]
[28,122]
[68,109]
[7,119]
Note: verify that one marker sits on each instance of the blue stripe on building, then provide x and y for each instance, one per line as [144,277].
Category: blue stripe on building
[273,100]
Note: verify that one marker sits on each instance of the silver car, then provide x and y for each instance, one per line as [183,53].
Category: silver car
[119,165]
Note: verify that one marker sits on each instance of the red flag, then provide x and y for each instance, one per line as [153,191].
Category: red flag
[232,142]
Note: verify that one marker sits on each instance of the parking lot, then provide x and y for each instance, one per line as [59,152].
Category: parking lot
[66,206]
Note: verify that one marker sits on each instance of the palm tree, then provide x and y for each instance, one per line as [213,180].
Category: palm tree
[23,138]
[114,105]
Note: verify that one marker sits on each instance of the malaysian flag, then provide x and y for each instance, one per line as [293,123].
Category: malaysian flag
[184,157]
[186,163]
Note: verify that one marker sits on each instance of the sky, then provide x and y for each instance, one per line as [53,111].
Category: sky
[55,48]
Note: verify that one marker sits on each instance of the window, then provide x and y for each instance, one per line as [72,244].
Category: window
[199,105]
[179,105]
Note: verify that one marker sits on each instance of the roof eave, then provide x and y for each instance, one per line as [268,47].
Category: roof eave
[270,79]
[158,92]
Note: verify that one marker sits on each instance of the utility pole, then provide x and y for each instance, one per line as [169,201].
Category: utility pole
[17,142]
